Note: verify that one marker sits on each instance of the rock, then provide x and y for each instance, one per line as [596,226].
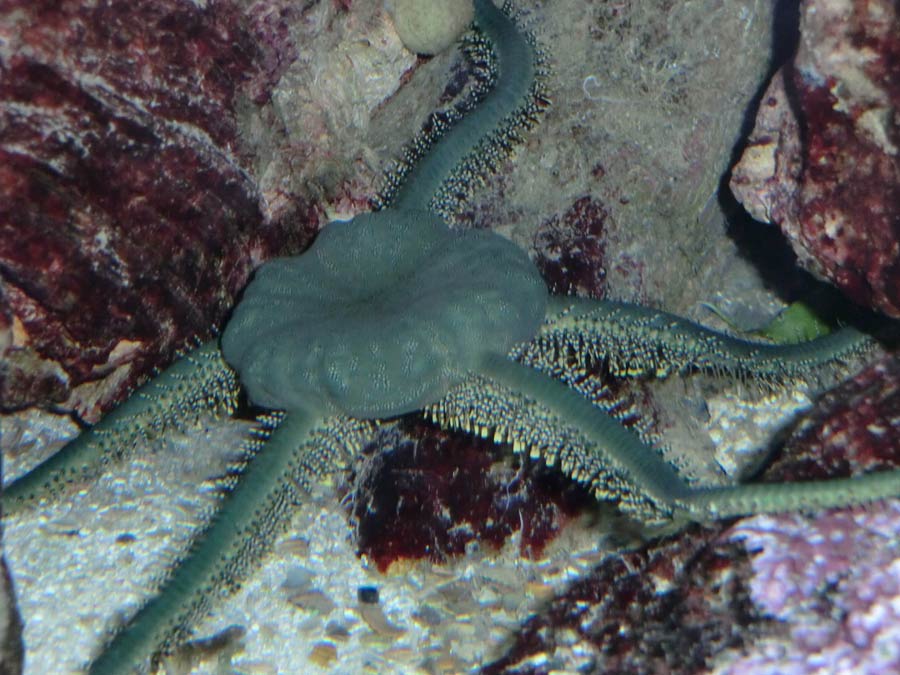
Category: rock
[121,180]
[152,154]
[12,650]
[851,430]
[433,494]
[823,162]
[667,607]
[430,26]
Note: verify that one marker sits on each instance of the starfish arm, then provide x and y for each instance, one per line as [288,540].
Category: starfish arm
[198,382]
[623,449]
[302,448]
[543,417]
[652,479]
[478,142]
[746,499]
[637,341]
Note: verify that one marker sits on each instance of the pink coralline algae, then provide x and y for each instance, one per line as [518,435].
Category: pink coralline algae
[128,218]
[829,175]
[833,578]
[779,594]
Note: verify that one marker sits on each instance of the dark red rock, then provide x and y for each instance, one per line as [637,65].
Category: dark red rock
[269,24]
[823,162]
[426,493]
[668,607]
[828,577]
[853,429]
[128,218]
[570,249]
[430,494]
[672,605]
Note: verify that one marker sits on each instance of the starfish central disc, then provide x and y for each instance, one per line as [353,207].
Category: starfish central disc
[382,316]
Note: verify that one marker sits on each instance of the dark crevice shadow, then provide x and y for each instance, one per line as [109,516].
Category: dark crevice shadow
[763,245]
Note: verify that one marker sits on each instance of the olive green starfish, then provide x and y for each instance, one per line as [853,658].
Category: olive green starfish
[392,313]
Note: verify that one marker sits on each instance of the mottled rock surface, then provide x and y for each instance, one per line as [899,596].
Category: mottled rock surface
[711,598]
[823,162]
[431,494]
[852,429]
[832,578]
[12,651]
[153,154]
[833,582]
[571,249]
[668,607]
[610,188]
[127,216]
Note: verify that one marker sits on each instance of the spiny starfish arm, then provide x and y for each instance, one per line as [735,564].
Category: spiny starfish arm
[748,499]
[199,382]
[512,403]
[652,479]
[475,145]
[636,341]
[292,451]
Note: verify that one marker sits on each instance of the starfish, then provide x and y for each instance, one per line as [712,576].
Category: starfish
[393,313]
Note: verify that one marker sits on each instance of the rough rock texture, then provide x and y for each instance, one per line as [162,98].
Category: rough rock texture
[834,577]
[852,429]
[693,602]
[153,153]
[668,607]
[571,250]
[12,651]
[823,162]
[128,217]
[432,494]
[834,580]
[643,118]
